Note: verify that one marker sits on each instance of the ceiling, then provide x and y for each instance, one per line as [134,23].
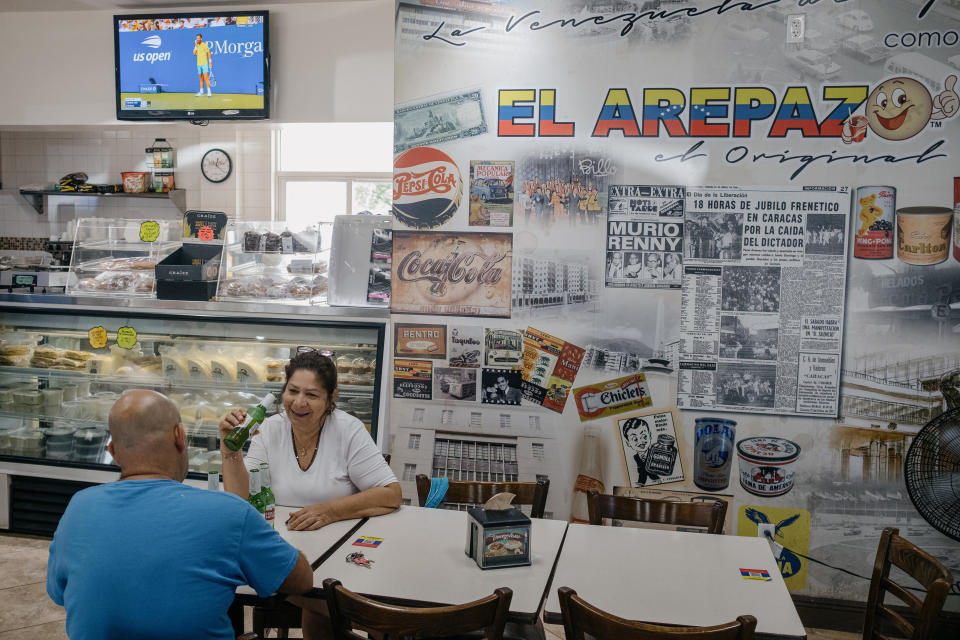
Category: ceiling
[136,5]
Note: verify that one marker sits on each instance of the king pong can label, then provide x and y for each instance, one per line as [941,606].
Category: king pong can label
[873,239]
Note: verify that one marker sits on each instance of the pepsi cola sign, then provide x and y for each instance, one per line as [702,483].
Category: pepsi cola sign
[427,187]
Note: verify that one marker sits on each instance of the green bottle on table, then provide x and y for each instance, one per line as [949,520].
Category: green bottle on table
[269,501]
[256,498]
[255,416]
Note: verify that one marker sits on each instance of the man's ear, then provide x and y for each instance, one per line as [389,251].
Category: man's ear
[112,451]
[180,437]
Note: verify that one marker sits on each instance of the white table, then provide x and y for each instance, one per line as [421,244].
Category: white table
[313,544]
[421,561]
[669,577]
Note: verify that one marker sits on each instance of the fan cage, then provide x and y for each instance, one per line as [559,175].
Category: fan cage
[932,473]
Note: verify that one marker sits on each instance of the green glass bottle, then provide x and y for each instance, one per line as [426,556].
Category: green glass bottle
[255,416]
[269,501]
[256,498]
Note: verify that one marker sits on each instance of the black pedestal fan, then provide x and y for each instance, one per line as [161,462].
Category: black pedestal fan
[932,473]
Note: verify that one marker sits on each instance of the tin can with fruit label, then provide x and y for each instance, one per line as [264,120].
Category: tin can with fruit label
[873,239]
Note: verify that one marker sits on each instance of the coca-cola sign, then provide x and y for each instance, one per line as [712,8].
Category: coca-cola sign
[426,187]
[452,273]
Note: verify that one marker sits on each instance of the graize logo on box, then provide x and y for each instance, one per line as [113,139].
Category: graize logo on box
[613,396]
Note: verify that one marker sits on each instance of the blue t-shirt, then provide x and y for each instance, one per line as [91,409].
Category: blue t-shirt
[160,559]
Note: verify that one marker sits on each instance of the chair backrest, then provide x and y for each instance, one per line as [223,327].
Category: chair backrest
[348,609]
[580,617]
[922,567]
[471,492]
[709,515]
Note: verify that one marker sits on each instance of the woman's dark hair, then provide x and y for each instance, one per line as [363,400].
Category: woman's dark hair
[323,367]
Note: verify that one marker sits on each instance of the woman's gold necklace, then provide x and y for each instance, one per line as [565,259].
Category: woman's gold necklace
[300,452]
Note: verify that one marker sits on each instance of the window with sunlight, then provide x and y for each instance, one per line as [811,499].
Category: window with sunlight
[330,169]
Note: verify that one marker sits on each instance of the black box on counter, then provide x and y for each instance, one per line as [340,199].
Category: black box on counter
[189,273]
[498,538]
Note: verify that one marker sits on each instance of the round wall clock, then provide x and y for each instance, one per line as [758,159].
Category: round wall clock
[216,165]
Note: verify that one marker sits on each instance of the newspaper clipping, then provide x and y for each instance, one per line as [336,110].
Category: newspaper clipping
[644,236]
[762,304]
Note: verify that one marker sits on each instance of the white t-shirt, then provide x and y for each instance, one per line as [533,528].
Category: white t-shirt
[347,461]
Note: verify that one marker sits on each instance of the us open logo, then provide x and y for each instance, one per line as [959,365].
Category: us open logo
[153,42]
[427,187]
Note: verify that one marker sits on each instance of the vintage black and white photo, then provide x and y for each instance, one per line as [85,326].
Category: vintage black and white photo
[825,234]
[749,337]
[751,289]
[713,236]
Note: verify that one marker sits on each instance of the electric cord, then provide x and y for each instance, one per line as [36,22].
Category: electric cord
[954,588]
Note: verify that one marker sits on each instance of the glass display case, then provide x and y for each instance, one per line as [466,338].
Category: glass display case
[117,257]
[267,262]
[62,367]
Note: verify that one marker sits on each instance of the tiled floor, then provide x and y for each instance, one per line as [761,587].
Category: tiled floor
[29,614]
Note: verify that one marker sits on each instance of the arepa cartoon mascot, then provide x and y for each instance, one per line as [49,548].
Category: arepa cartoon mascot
[900,108]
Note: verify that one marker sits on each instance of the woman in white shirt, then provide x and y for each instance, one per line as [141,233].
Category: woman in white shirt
[319,456]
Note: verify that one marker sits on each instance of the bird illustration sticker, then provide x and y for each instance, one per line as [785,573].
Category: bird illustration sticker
[791,531]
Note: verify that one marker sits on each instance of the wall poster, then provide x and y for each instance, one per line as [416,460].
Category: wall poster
[648,442]
[644,236]
[550,366]
[460,274]
[762,306]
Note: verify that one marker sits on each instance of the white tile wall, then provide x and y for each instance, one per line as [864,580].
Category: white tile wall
[41,157]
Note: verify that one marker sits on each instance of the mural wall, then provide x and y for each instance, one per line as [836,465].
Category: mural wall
[748,203]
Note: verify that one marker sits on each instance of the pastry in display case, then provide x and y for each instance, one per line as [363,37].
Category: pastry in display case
[118,257]
[267,262]
[58,383]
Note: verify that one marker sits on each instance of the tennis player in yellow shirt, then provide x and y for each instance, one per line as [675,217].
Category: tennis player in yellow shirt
[204,62]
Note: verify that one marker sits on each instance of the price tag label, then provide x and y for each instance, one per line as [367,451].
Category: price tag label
[149,230]
[98,337]
[126,337]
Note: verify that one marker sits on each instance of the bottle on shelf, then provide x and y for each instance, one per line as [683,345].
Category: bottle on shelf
[256,497]
[269,501]
[255,416]
[590,476]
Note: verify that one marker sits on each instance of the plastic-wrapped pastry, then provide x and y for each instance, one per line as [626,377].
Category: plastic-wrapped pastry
[223,369]
[231,288]
[128,264]
[274,370]
[14,350]
[144,282]
[87,284]
[319,285]
[251,241]
[271,243]
[344,364]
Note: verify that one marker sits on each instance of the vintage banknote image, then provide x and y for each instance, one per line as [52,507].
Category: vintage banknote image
[438,119]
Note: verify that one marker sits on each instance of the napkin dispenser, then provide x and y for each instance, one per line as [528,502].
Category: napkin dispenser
[498,535]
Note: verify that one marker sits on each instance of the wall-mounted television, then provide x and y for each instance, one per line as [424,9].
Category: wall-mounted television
[192,66]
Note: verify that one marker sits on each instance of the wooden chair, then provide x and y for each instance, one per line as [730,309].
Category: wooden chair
[709,515]
[387,621]
[919,565]
[472,492]
[580,617]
